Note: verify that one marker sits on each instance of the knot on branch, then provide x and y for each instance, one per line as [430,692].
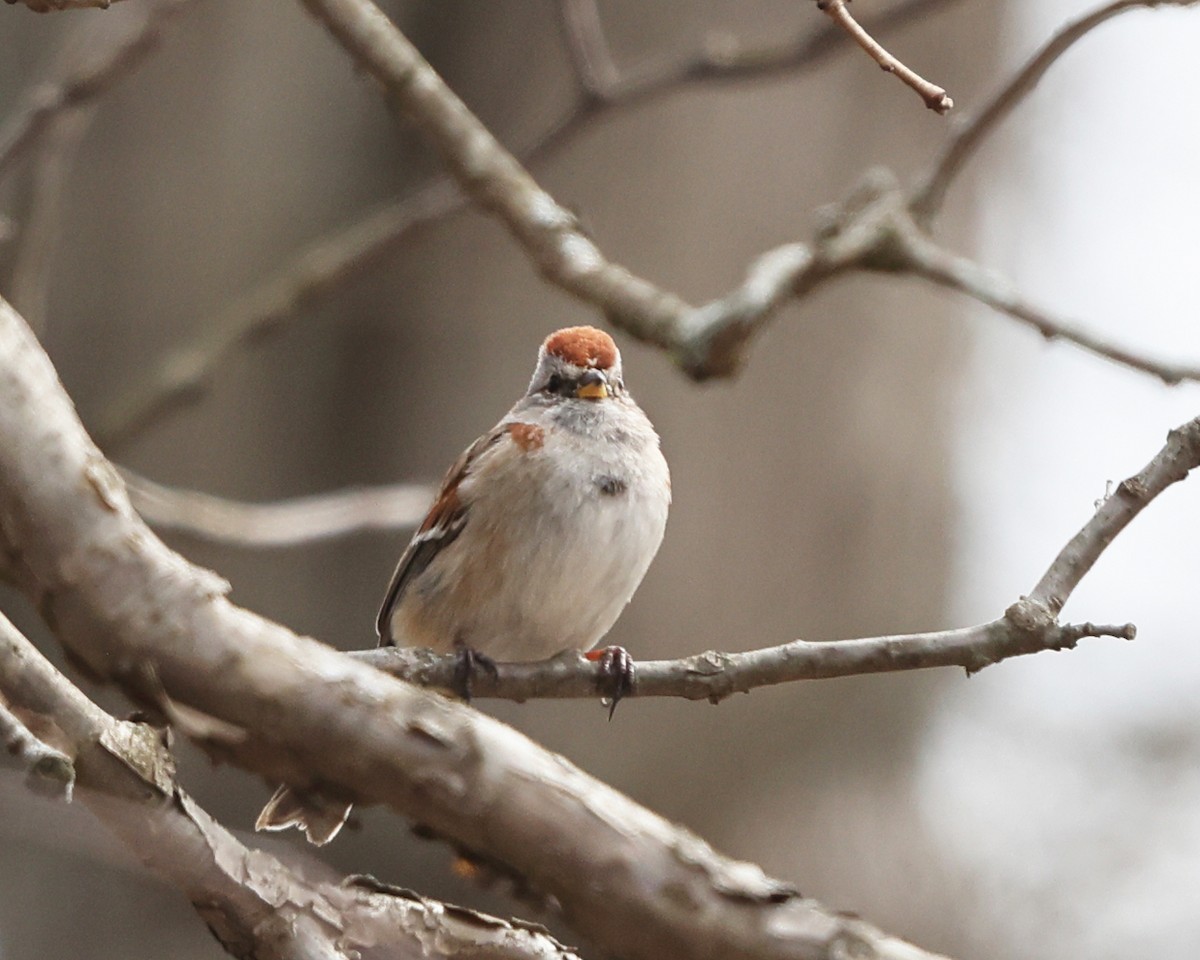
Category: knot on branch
[872,229]
[1030,617]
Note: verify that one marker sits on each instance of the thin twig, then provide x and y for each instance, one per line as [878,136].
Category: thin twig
[720,59]
[930,192]
[713,676]
[586,41]
[281,523]
[44,102]
[934,96]
[1169,466]
[183,376]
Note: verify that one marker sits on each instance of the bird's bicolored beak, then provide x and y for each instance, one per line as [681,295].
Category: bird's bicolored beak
[593,385]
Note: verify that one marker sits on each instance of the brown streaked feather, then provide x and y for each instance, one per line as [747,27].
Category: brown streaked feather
[527,436]
[446,518]
[441,525]
[583,347]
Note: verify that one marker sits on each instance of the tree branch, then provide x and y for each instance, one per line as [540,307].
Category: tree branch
[255,905]
[934,96]
[49,770]
[494,179]
[46,6]
[713,676]
[930,192]
[708,341]
[705,341]
[132,611]
[922,257]
[1171,464]
[283,523]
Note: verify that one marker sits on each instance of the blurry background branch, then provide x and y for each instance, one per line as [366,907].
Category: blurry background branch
[281,523]
[930,191]
[706,341]
[331,262]
[878,227]
[254,904]
[47,130]
[45,102]
[709,340]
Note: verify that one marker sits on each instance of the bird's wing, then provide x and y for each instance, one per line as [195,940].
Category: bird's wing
[443,523]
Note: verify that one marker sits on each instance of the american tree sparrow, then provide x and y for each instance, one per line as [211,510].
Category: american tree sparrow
[540,534]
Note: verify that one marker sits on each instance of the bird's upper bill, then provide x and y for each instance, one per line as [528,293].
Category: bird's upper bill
[584,347]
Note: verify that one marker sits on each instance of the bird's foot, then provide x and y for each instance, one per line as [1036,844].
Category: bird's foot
[616,674]
[469,663]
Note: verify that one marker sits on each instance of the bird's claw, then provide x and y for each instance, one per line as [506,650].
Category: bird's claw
[615,676]
[469,663]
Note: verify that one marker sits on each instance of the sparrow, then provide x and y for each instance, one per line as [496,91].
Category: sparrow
[538,537]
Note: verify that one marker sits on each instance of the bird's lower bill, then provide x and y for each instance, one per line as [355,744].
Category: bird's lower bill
[592,391]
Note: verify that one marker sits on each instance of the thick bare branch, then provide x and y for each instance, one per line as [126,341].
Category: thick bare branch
[930,192]
[254,904]
[935,97]
[282,523]
[134,612]
[45,102]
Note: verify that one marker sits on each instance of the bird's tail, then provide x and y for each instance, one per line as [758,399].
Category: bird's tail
[319,817]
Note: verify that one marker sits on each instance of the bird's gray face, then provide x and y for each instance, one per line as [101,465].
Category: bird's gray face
[555,377]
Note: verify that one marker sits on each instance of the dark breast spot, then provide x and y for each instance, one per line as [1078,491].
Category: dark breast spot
[611,486]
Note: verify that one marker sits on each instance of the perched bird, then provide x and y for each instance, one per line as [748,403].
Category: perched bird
[540,533]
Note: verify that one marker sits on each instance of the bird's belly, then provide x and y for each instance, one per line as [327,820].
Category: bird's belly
[551,578]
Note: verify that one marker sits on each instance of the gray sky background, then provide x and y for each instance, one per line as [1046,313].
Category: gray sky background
[1075,777]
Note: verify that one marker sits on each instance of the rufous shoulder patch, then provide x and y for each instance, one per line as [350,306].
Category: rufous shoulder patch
[527,436]
[583,346]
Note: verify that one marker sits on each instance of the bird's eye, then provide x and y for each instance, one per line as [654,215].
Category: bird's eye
[554,384]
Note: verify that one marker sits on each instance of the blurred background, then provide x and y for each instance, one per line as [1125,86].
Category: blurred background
[892,459]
